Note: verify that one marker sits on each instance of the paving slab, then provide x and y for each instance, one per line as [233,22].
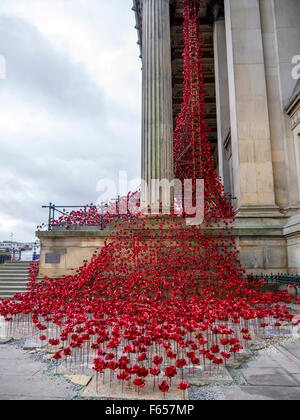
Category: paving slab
[22,378]
[18,397]
[20,367]
[293,348]
[272,392]
[261,393]
[297,377]
[287,362]
[32,386]
[264,361]
[31,345]
[7,349]
[236,393]
[82,380]
[207,377]
[273,375]
[268,376]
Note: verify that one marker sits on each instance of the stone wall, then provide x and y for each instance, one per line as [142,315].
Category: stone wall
[62,251]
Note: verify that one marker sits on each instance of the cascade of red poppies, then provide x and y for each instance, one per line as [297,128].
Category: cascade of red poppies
[162,299]
[192,150]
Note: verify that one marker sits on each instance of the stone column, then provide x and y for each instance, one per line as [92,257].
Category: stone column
[281,33]
[249,115]
[157,119]
[222,101]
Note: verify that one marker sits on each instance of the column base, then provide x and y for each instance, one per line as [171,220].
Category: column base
[259,211]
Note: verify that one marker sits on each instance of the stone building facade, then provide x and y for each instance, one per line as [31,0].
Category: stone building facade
[251,51]
[253,106]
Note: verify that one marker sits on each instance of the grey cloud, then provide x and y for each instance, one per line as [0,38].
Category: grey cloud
[61,161]
[44,75]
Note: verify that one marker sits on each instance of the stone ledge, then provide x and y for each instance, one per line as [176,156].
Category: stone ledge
[74,233]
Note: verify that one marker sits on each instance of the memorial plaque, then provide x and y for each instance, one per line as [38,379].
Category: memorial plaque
[52,259]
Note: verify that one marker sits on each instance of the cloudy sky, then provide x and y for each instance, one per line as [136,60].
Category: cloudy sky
[69,105]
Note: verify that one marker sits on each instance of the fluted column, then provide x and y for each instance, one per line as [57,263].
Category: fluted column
[249,114]
[157,120]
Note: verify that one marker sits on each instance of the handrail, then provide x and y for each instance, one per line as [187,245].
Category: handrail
[279,278]
[53,209]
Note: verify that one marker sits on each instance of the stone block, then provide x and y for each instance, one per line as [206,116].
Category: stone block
[287,13]
[248,177]
[276,257]
[246,151]
[245,14]
[82,380]
[31,344]
[247,46]
[293,250]
[252,257]
[264,171]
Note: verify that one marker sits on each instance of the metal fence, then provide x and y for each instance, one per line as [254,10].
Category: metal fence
[57,211]
[279,279]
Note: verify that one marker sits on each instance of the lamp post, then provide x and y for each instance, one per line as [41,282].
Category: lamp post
[11,246]
[34,250]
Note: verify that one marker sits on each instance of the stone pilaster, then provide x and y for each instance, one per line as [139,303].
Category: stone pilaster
[249,114]
[157,121]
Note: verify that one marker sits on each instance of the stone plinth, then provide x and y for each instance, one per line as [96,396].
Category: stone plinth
[62,251]
[268,245]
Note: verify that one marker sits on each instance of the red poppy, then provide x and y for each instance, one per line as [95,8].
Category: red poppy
[164,386]
[183,386]
[170,371]
[139,382]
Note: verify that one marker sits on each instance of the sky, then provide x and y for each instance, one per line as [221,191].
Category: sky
[70,105]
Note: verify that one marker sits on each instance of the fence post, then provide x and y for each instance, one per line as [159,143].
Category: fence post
[49,221]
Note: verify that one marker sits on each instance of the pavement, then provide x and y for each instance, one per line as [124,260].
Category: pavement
[274,374]
[268,370]
[23,378]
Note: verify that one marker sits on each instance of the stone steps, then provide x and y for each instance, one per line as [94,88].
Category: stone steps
[14,278]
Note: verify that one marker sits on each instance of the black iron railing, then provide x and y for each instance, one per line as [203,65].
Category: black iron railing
[55,210]
[278,279]
[58,211]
